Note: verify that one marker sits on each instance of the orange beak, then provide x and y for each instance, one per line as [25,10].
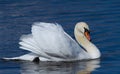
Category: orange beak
[87,35]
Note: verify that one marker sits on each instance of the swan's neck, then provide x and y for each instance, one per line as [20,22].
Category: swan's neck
[90,48]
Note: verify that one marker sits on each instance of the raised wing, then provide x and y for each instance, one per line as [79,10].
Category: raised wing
[50,41]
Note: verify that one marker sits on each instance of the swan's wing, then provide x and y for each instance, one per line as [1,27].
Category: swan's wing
[50,41]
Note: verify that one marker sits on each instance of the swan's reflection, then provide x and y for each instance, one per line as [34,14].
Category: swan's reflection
[83,67]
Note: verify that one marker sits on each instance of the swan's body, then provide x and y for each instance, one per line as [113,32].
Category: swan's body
[49,42]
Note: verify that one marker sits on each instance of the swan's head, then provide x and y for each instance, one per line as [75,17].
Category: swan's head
[83,29]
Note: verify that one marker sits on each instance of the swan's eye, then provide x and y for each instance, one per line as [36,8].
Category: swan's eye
[86,30]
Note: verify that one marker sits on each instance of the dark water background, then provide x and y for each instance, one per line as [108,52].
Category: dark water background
[103,17]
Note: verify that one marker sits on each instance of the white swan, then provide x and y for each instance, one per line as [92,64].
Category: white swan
[49,42]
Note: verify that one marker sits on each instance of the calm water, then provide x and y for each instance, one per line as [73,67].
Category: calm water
[103,17]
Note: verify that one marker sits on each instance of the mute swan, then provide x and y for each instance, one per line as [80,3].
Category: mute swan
[49,42]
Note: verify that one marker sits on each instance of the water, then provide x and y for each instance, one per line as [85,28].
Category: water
[16,18]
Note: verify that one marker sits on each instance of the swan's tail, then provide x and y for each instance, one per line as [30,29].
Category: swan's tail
[26,57]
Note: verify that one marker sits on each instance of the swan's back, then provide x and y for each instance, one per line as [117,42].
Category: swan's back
[50,41]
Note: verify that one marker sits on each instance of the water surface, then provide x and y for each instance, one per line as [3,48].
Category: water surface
[16,18]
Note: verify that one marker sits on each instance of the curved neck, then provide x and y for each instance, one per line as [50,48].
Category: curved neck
[91,49]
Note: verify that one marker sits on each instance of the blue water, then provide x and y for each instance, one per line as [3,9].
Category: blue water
[103,17]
